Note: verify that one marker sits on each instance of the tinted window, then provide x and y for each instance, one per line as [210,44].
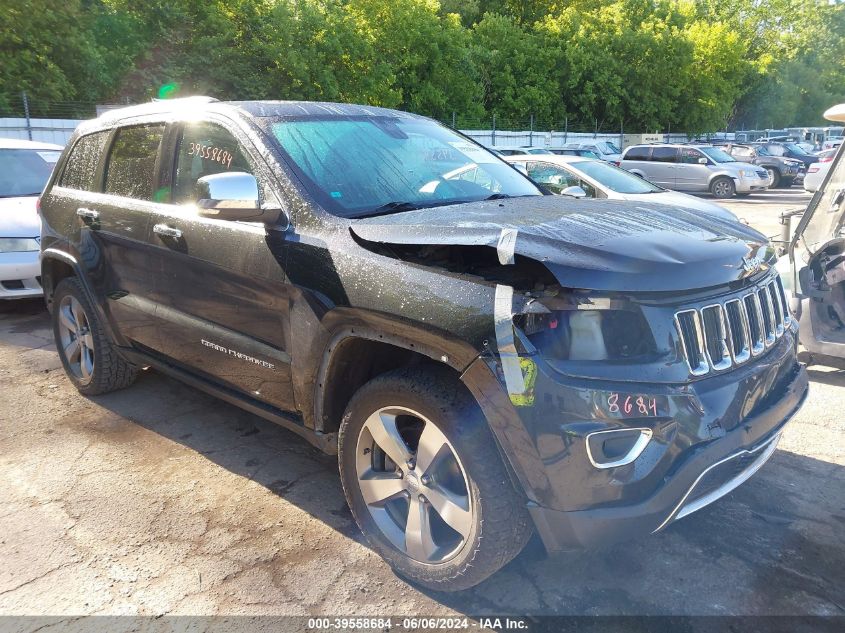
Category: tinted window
[615,179]
[132,163]
[81,166]
[637,153]
[205,149]
[24,172]
[664,154]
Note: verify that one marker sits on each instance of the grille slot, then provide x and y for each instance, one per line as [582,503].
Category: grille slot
[719,336]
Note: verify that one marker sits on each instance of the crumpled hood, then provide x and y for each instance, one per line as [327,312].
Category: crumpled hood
[590,244]
[18,217]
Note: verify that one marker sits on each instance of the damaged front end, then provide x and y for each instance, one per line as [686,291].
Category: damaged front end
[626,362]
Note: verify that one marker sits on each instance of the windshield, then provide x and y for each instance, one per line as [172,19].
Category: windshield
[367,165]
[718,155]
[615,179]
[825,212]
[24,172]
[606,147]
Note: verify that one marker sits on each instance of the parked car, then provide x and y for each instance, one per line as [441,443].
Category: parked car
[694,168]
[536,150]
[591,178]
[789,150]
[783,172]
[817,172]
[831,142]
[586,153]
[814,267]
[508,151]
[25,167]
[485,360]
[605,150]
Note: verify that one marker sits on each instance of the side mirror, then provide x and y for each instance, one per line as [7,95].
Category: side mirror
[228,196]
[574,192]
[702,161]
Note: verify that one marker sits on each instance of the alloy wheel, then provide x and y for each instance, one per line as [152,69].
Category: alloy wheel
[413,484]
[76,338]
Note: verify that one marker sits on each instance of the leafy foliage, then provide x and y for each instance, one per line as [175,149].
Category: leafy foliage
[688,65]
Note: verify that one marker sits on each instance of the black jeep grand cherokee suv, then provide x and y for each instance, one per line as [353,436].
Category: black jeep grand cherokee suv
[484,359]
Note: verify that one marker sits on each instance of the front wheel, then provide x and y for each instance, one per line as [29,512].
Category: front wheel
[774,177]
[425,481]
[723,187]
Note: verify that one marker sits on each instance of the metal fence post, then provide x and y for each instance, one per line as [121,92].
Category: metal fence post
[26,114]
[621,135]
[453,119]
[531,132]
[565,130]
[493,135]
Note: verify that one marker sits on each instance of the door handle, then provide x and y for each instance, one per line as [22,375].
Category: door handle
[88,214]
[167,231]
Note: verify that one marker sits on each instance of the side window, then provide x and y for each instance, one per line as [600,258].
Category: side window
[588,189]
[637,153]
[775,150]
[131,168]
[205,149]
[551,175]
[690,156]
[664,154]
[81,165]
[743,152]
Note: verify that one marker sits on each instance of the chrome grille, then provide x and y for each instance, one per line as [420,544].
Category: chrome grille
[721,335]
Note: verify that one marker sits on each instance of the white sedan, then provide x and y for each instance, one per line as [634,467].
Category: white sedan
[817,171]
[580,177]
[25,167]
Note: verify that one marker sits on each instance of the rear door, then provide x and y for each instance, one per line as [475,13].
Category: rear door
[662,169]
[223,294]
[110,225]
[691,174]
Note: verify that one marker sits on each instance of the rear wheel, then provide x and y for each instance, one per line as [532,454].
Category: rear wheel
[723,187]
[88,357]
[425,481]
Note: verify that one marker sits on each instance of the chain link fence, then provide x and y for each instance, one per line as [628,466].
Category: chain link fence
[54,122]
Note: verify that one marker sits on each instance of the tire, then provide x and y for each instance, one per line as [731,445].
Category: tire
[491,524]
[77,329]
[722,187]
[774,176]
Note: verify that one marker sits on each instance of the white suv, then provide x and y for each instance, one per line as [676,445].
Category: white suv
[694,168]
[25,167]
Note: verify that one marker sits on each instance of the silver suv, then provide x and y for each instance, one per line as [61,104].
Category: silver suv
[694,168]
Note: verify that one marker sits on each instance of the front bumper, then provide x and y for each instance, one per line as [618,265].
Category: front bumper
[746,184]
[20,275]
[705,475]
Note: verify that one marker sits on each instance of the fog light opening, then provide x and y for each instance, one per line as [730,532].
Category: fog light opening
[616,447]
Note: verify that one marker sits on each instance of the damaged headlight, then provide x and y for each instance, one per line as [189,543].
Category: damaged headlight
[613,331]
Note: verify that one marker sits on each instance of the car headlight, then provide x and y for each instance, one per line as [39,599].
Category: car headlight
[18,244]
[588,335]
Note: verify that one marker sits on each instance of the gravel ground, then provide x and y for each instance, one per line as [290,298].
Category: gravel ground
[161,500]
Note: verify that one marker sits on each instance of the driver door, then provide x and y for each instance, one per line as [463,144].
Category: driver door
[223,294]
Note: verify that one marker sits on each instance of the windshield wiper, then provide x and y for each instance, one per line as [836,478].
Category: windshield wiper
[394,206]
